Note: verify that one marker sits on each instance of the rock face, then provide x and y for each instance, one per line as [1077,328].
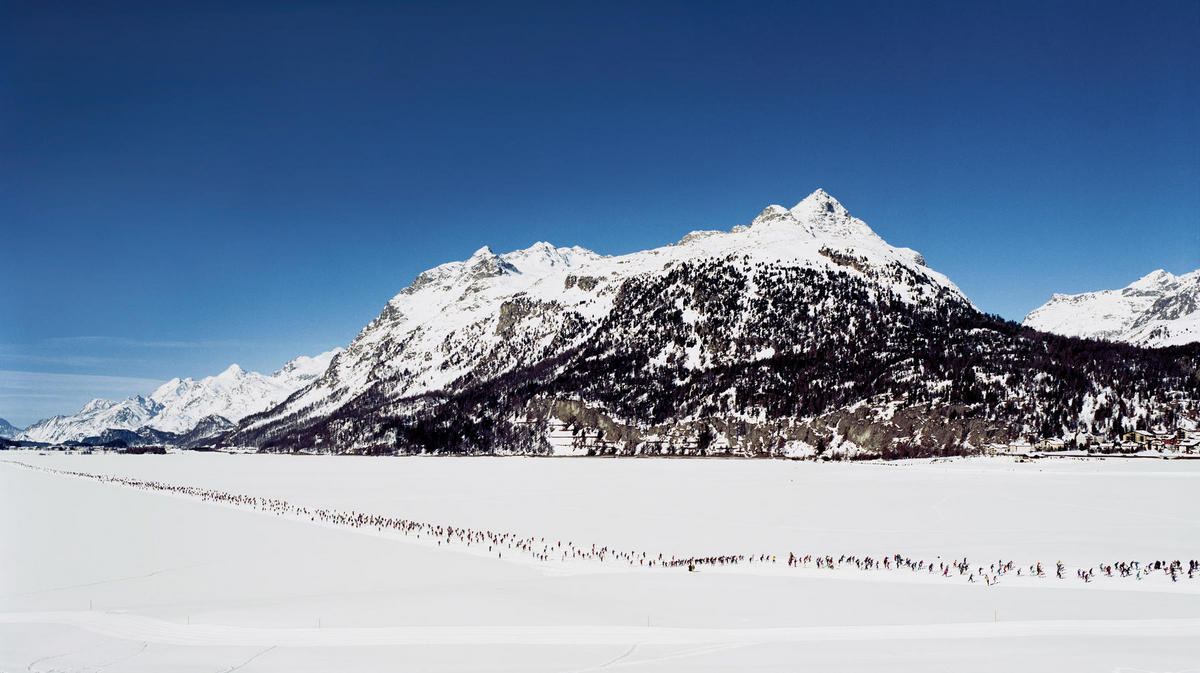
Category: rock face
[1159,309]
[801,333]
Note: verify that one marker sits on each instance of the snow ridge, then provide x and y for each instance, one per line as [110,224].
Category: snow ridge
[1159,309]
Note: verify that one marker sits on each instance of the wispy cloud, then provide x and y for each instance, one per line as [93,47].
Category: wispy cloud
[100,353]
[65,360]
[126,342]
[24,380]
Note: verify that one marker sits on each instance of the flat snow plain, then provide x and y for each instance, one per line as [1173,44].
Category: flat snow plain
[103,577]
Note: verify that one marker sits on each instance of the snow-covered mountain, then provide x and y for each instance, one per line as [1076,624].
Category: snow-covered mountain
[94,418]
[1159,309]
[232,394]
[490,313]
[8,430]
[800,331]
[179,404]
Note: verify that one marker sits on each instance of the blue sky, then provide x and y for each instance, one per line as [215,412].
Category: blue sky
[186,187]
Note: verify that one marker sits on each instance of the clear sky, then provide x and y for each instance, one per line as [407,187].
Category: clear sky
[186,187]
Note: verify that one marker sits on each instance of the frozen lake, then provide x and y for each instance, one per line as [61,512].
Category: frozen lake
[100,575]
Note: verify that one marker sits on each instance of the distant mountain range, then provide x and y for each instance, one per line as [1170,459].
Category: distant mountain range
[1159,309]
[802,333]
[180,405]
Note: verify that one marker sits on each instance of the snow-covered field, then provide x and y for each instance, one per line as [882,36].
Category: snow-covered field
[102,576]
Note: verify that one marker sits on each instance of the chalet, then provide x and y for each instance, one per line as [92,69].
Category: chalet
[1137,437]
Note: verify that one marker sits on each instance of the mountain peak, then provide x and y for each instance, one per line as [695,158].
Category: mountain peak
[821,195]
[308,366]
[772,213]
[1152,279]
[541,249]
[819,209]
[97,404]
[232,371]
[826,217]
[819,204]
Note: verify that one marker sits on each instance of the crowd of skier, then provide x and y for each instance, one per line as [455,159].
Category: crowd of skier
[542,549]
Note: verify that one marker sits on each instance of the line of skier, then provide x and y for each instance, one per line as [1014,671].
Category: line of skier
[541,549]
[993,572]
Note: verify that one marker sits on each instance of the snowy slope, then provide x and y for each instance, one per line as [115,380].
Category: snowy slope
[8,430]
[1159,309]
[179,404]
[485,315]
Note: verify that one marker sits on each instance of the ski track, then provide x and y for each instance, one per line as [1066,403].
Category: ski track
[686,654]
[149,630]
[113,580]
[623,655]
[247,662]
[142,649]
[35,662]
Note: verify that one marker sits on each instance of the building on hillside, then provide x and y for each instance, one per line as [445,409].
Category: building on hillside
[1137,437]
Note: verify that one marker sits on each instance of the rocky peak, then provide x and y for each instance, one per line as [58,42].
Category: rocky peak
[773,213]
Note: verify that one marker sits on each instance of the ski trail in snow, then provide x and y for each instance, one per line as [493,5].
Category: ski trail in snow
[244,663]
[35,662]
[611,662]
[620,662]
[113,580]
[147,629]
[688,654]
[114,662]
